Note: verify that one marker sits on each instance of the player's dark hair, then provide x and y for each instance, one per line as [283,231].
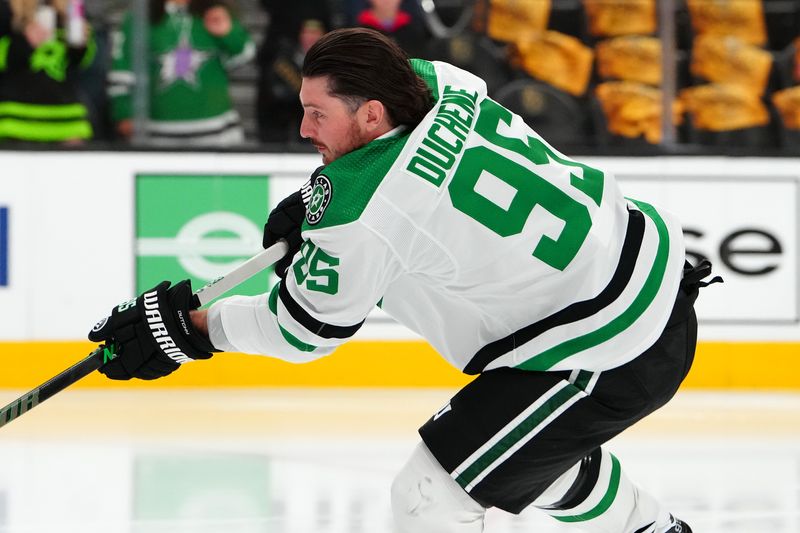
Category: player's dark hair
[362,64]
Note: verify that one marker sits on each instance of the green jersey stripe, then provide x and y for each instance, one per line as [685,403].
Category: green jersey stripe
[89,55]
[291,339]
[532,424]
[48,112]
[548,358]
[45,131]
[605,502]
[5,42]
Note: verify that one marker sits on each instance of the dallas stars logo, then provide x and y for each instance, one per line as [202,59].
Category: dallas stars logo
[320,198]
[181,63]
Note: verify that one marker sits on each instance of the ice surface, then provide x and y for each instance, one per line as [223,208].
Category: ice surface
[322,460]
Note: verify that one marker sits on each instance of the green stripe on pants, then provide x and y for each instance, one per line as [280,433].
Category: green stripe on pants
[605,502]
[527,426]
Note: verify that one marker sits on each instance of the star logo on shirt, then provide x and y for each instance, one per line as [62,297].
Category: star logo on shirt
[181,63]
[316,199]
[320,198]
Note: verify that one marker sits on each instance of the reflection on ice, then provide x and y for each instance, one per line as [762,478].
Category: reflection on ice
[726,464]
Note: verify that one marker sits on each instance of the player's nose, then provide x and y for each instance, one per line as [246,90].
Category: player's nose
[306,131]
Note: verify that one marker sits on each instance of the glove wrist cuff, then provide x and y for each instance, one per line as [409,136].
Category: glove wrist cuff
[194,338]
[169,325]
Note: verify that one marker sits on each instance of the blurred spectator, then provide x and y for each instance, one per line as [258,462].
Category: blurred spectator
[192,46]
[387,17]
[40,48]
[350,9]
[285,19]
[278,106]
[293,28]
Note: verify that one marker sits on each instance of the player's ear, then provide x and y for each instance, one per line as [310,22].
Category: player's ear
[375,114]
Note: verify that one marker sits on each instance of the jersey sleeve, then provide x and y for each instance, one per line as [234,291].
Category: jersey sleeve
[237,45]
[336,279]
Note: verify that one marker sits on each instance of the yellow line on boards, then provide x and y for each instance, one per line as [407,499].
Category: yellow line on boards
[745,365]
[718,365]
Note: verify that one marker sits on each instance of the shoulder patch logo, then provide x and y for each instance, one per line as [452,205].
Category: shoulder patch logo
[321,195]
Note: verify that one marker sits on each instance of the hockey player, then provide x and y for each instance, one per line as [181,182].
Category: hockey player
[572,304]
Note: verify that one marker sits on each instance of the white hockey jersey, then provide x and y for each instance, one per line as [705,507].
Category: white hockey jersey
[475,233]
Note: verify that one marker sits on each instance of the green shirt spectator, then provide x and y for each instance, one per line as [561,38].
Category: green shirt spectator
[191,48]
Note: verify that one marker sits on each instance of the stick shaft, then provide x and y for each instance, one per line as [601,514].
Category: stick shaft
[103,354]
[54,385]
[246,270]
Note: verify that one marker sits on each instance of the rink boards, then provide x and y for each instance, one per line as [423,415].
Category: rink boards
[81,232]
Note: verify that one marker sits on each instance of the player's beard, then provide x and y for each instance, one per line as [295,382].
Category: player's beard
[354,139]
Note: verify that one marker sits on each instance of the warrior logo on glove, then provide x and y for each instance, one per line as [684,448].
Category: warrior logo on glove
[154,333]
[159,330]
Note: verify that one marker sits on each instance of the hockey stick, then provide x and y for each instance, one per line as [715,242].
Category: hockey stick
[104,353]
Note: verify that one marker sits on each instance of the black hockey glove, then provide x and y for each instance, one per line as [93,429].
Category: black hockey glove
[153,333]
[286,221]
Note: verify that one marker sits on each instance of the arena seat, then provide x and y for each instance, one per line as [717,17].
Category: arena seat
[476,53]
[555,115]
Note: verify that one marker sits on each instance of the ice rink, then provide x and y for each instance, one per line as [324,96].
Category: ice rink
[322,460]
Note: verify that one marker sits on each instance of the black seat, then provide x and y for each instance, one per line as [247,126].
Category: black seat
[475,53]
[755,137]
[554,114]
[787,72]
[782,18]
